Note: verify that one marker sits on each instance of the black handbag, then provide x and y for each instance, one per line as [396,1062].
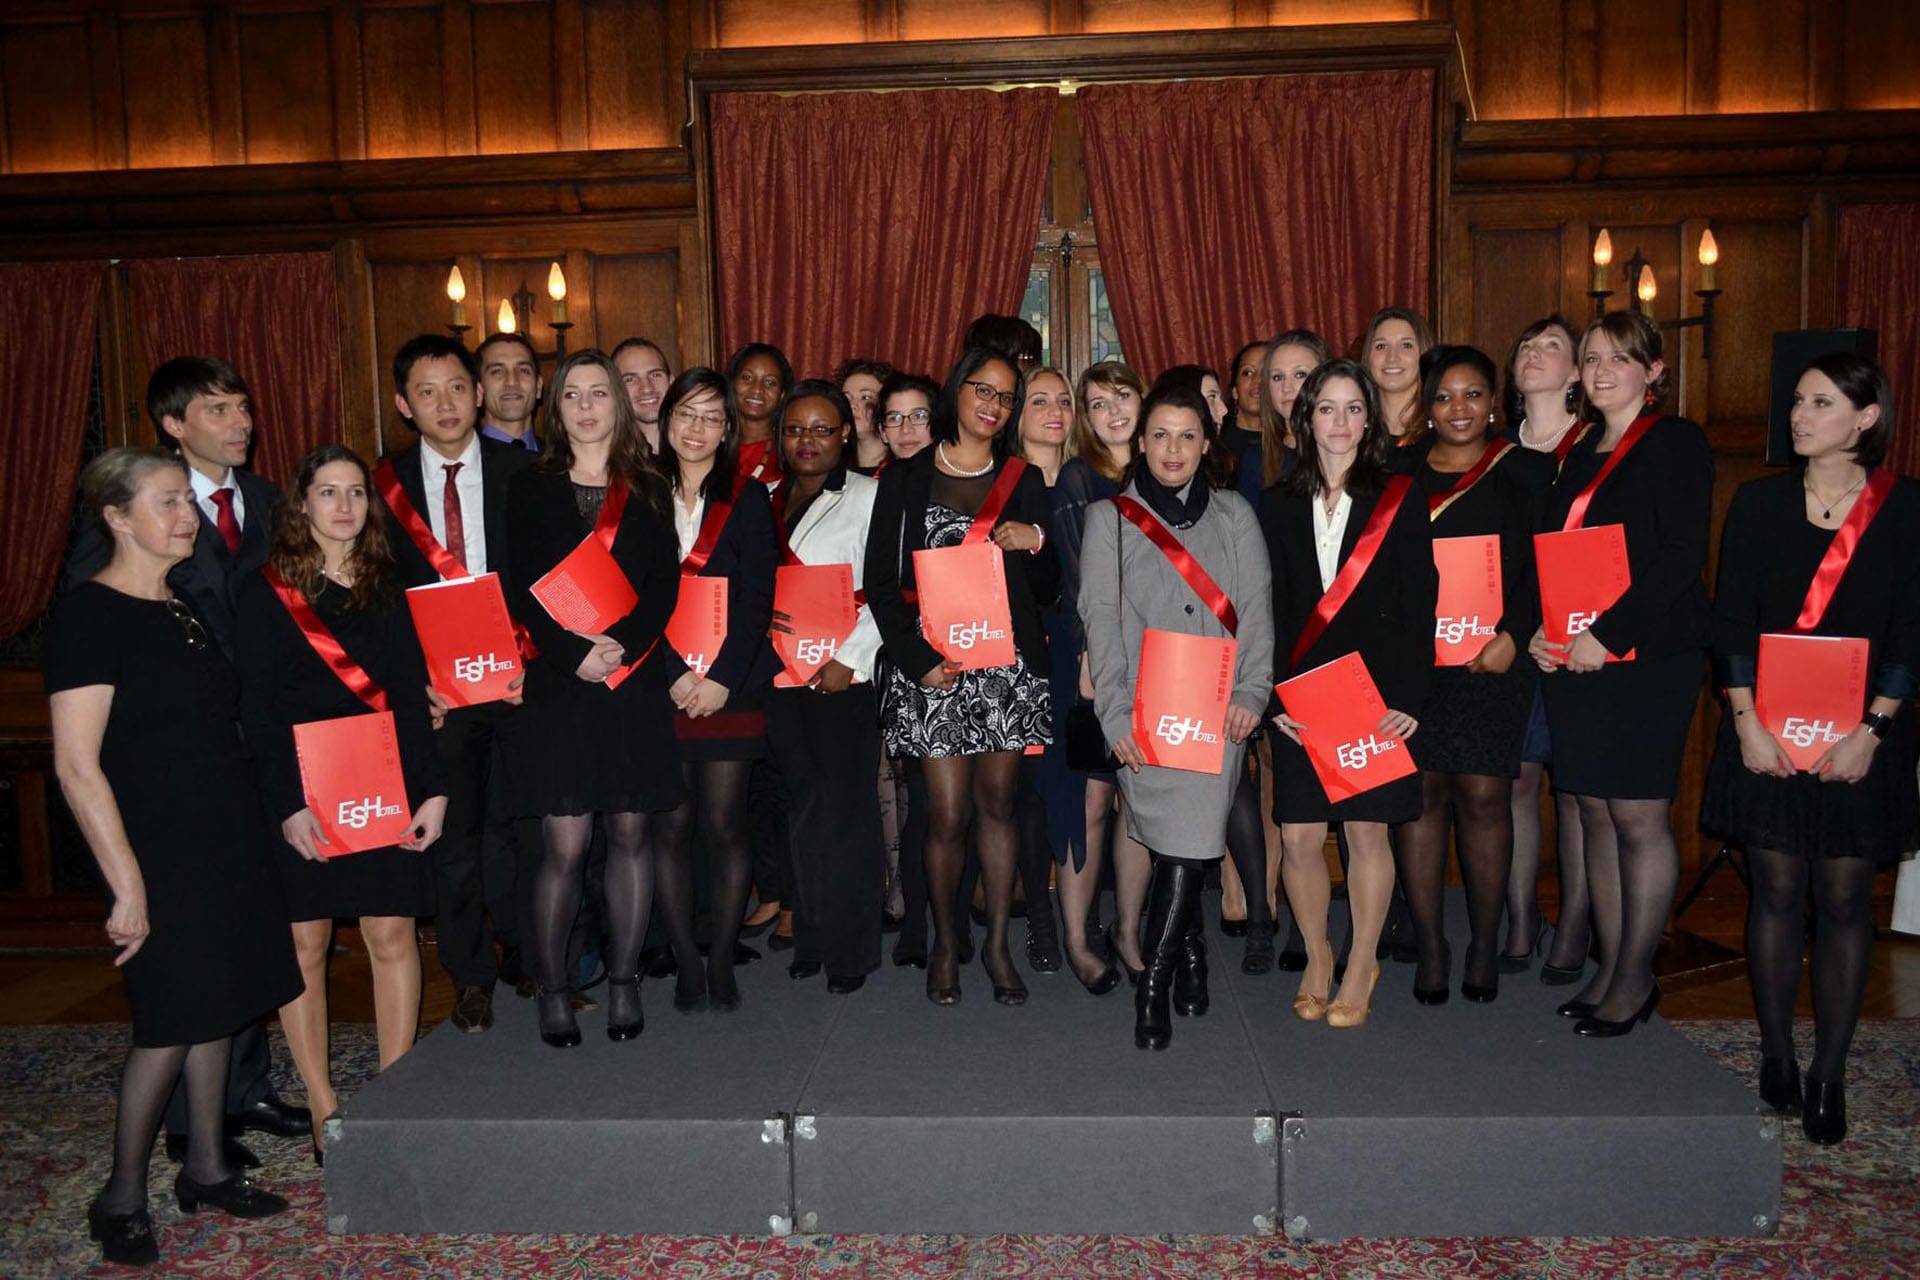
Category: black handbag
[1087,750]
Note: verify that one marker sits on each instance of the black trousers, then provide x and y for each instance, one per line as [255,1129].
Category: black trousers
[828,747]
[768,828]
[473,861]
[249,1077]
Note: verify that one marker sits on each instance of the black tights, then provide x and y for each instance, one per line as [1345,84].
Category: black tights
[717,804]
[1842,945]
[556,892]
[1478,809]
[1632,868]
[1035,856]
[980,787]
[145,1086]
[1247,846]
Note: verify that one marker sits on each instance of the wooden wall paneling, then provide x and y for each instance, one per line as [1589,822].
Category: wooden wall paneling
[1151,15]
[169,106]
[287,98]
[1250,13]
[44,66]
[459,106]
[1820,304]
[513,74]
[409,297]
[883,20]
[360,399]
[1881,43]
[694,328]
[1762,270]
[1761,65]
[349,92]
[681,40]
[1580,41]
[744,23]
[1516,280]
[502,274]
[228,142]
[109,104]
[403,70]
[632,83]
[1641,47]
[570,74]
[964,19]
[121,391]
[634,295]
[1516,58]
[1701,25]
[1826,45]
[1308,13]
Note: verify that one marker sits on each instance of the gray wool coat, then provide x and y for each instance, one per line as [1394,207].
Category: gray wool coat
[1128,585]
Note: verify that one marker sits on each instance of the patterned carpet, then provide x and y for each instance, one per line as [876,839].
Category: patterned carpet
[1849,1211]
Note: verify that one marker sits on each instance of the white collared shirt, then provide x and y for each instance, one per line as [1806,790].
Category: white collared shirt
[1328,531]
[473,504]
[203,491]
[686,522]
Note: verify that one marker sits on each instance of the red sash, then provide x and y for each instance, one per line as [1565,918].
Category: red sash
[387,481]
[1356,567]
[606,525]
[1634,435]
[1833,565]
[1439,502]
[1190,570]
[760,462]
[325,643]
[1003,485]
[1575,434]
[712,522]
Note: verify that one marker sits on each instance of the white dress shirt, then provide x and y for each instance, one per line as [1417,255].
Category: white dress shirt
[203,491]
[473,505]
[686,522]
[1328,531]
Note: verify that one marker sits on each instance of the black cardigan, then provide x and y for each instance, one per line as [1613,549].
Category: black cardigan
[1662,493]
[499,463]
[746,555]
[1509,501]
[1388,619]
[898,530]
[1768,555]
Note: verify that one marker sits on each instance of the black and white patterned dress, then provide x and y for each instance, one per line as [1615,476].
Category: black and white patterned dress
[994,709]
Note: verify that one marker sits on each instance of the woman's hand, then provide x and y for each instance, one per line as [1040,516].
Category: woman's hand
[1241,723]
[704,699]
[427,821]
[1289,726]
[127,925]
[1848,759]
[942,676]
[1015,536]
[303,832]
[437,707]
[1128,753]
[1586,653]
[1397,724]
[1760,751]
[682,689]
[516,690]
[834,676]
[1496,658]
[602,660]
[1545,653]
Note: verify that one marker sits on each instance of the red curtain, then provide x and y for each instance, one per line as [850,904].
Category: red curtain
[1879,269]
[48,339]
[874,224]
[1231,209]
[271,316]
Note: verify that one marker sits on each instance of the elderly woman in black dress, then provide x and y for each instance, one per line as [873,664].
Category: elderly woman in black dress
[146,745]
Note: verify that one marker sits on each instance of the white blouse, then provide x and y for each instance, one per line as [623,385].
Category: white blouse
[686,522]
[1327,534]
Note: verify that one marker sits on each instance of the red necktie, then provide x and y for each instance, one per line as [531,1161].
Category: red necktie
[456,528]
[225,521]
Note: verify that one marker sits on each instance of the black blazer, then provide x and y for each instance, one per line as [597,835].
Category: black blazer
[499,463]
[1662,493]
[1510,501]
[210,579]
[1388,619]
[899,529]
[746,556]
[1768,556]
[543,525]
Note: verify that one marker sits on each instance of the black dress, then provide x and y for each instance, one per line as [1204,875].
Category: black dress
[1388,621]
[1474,721]
[1619,732]
[579,747]
[283,682]
[1769,551]
[219,953]
[746,555]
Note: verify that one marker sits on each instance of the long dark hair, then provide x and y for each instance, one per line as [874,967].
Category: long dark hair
[1274,429]
[944,426]
[718,486]
[738,360]
[629,460]
[1422,338]
[297,557]
[1863,383]
[1434,366]
[1369,468]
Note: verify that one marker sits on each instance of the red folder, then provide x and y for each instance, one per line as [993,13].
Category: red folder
[1471,603]
[1582,572]
[813,614]
[1180,699]
[698,626]
[467,638]
[350,772]
[963,604]
[1341,708]
[588,591]
[1810,692]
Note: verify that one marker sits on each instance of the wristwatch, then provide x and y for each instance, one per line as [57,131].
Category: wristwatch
[1877,725]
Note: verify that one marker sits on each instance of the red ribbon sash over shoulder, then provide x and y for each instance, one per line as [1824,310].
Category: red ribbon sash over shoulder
[1190,570]
[1439,502]
[387,481]
[325,643]
[1364,551]
[712,523]
[1574,435]
[1634,435]
[996,501]
[606,526]
[1846,540]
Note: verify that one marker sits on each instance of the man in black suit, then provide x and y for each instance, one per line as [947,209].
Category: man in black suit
[201,405]
[454,481]
[509,390]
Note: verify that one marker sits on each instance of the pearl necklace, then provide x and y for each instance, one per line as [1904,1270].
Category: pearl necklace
[940,450]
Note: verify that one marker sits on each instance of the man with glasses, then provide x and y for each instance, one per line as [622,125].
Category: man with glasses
[202,407]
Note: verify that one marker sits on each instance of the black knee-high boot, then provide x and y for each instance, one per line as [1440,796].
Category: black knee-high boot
[1173,905]
[1190,998]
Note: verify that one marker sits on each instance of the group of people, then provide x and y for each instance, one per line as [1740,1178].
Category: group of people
[1291,507]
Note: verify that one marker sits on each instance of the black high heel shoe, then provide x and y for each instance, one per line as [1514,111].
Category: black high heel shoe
[1824,1120]
[1256,957]
[624,1022]
[125,1238]
[945,994]
[1478,994]
[1780,1085]
[1521,963]
[1437,995]
[1013,994]
[1597,1028]
[1234,928]
[235,1197]
[1133,974]
[557,1025]
[1576,1009]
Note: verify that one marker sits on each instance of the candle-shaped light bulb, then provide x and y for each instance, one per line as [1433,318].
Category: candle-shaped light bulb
[1602,259]
[457,294]
[1647,290]
[1709,258]
[557,290]
[504,322]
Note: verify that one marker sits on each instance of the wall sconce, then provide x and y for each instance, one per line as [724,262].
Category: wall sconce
[516,313]
[457,295]
[1644,289]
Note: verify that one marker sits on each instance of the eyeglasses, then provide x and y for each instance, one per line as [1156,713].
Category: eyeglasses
[196,634]
[819,430]
[687,418]
[918,417]
[987,391]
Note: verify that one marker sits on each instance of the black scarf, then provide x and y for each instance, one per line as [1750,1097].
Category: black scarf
[1177,508]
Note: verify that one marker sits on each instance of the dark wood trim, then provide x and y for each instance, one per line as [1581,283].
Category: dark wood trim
[226,125]
[459,105]
[108,94]
[349,89]
[570,75]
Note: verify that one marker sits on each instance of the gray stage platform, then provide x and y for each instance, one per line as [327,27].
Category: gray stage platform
[881,1113]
